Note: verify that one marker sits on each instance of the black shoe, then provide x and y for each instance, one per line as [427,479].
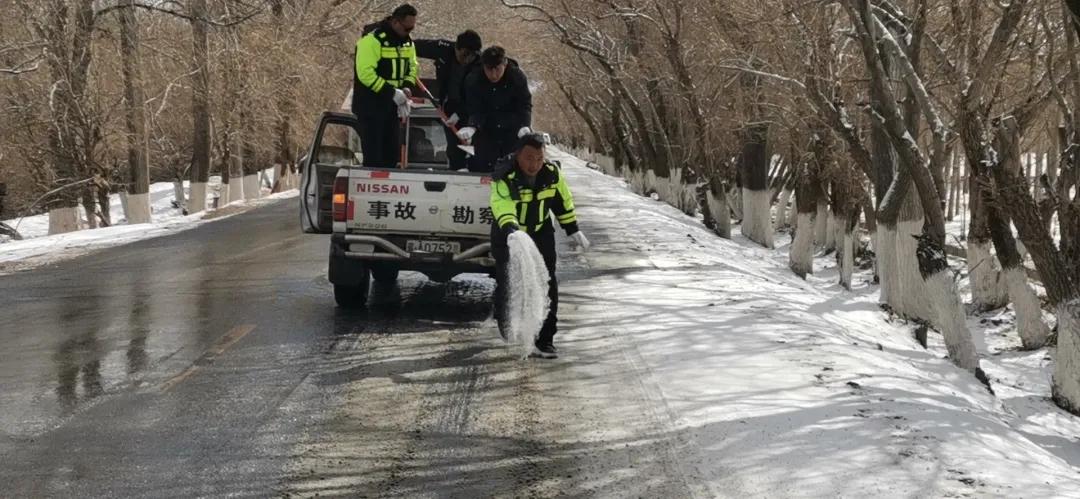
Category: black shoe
[544,352]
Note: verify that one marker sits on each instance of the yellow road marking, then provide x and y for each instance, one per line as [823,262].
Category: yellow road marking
[219,347]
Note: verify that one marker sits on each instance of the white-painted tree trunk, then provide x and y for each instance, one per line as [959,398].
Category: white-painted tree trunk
[720,214]
[951,320]
[757,217]
[838,226]
[821,225]
[236,189]
[124,205]
[831,227]
[251,187]
[1029,324]
[198,198]
[793,214]
[781,209]
[801,257]
[734,201]
[847,259]
[1067,359]
[63,220]
[887,268]
[913,297]
[178,193]
[988,289]
[138,208]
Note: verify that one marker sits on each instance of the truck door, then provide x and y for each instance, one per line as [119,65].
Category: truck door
[336,145]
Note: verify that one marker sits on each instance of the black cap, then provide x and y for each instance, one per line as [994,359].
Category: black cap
[469,40]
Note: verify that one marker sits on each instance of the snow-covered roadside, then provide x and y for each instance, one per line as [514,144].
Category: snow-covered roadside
[783,387]
[39,248]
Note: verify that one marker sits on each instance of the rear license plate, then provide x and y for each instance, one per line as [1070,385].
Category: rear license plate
[420,246]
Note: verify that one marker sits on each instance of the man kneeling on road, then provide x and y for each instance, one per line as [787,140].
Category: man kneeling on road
[524,190]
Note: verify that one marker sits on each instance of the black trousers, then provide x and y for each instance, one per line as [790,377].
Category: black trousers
[545,242]
[381,137]
[454,155]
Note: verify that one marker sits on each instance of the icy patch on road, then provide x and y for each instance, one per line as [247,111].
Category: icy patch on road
[527,293]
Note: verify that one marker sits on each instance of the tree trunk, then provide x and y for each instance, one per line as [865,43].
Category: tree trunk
[138,188]
[1066,389]
[988,289]
[286,107]
[200,107]
[717,203]
[782,210]
[808,191]
[914,300]
[757,199]
[948,311]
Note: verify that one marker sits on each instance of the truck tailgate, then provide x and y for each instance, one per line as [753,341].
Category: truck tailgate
[412,202]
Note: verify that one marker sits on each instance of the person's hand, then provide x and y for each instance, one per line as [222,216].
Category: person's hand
[453,119]
[580,240]
[404,110]
[466,133]
[524,131]
[400,98]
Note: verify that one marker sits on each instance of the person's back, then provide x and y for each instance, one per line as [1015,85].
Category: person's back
[453,62]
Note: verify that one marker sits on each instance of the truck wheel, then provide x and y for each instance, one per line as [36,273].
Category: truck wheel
[350,296]
[383,275]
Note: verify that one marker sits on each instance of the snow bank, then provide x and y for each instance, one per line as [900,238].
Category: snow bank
[776,387]
[38,247]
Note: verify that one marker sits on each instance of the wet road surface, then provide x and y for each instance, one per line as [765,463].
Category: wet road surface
[213,362]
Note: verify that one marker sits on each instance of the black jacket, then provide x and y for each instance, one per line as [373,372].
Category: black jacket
[449,73]
[500,108]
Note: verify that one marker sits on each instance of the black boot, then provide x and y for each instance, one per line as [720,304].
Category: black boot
[544,351]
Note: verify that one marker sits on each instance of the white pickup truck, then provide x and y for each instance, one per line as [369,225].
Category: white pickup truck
[422,218]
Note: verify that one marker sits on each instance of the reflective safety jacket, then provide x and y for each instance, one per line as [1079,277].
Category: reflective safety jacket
[384,61]
[515,202]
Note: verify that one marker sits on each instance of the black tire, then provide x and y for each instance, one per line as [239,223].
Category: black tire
[350,296]
[384,275]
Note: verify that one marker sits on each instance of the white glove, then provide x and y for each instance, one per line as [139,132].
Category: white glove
[466,133]
[404,110]
[453,119]
[524,131]
[400,98]
[581,240]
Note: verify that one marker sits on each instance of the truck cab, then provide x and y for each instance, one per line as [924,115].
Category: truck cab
[417,217]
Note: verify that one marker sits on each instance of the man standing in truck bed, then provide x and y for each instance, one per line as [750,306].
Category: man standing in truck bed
[385,64]
[453,62]
[500,108]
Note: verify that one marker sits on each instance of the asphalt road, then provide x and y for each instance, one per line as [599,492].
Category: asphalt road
[213,362]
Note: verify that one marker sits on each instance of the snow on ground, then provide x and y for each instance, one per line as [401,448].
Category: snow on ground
[38,247]
[782,387]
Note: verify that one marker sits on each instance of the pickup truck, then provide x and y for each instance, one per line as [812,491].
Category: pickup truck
[422,217]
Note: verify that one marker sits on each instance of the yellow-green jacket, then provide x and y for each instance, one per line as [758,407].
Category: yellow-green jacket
[514,203]
[384,61]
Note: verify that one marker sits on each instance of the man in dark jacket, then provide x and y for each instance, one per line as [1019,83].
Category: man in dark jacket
[524,190]
[453,62]
[385,65]
[500,108]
